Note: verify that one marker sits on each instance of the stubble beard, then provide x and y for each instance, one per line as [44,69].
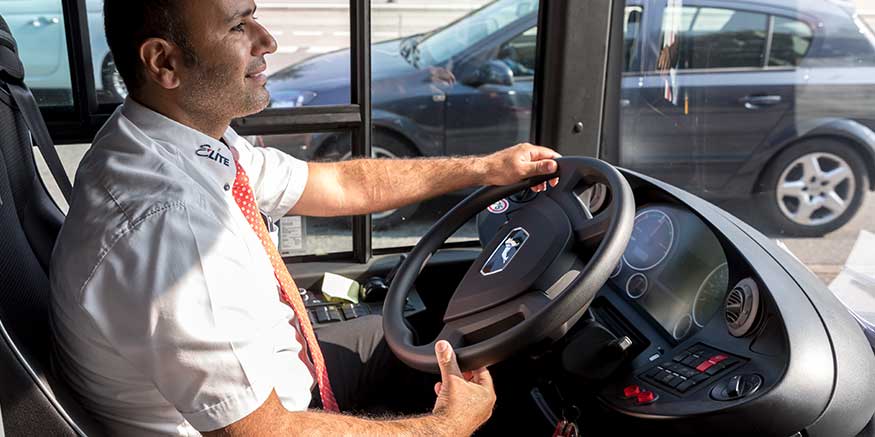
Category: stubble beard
[215,92]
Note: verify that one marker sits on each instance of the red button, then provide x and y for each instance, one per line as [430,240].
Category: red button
[704,366]
[718,358]
[645,397]
[631,391]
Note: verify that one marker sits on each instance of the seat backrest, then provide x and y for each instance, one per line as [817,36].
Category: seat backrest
[33,400]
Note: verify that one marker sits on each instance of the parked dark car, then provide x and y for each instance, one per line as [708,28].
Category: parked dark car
[731,100]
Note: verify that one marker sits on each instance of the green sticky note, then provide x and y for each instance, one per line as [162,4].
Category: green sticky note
[337,288]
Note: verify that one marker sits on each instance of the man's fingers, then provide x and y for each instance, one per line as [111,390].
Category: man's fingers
[446,360]
[482,377]
[537,153]
[437,388]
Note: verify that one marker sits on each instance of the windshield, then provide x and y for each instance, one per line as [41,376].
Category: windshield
[445,43]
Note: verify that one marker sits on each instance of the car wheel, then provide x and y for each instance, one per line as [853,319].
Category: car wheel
[386,146]
[814,187]
[113,85]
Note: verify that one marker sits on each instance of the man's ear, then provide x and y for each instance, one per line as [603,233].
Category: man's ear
[161,60]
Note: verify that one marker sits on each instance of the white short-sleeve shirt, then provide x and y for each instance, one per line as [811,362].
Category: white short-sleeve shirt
[165,309]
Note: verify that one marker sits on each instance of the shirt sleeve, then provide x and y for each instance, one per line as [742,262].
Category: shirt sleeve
[278,179]
[174,296]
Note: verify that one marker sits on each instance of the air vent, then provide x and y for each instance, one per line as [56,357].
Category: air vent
[741,307]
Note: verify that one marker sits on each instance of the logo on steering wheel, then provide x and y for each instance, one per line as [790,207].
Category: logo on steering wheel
[499,207]
[504,253]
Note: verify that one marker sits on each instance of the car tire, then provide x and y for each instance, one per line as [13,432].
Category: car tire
[114,89]
[384,145]
[813,187]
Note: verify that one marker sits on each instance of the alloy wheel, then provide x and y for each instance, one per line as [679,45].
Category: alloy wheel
[815,189]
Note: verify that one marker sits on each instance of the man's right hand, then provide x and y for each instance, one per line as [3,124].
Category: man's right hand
[464,400]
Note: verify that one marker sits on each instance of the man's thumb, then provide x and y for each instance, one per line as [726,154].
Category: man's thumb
[446,360]
[545,166]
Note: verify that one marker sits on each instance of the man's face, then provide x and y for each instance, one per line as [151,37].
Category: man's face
[229,76]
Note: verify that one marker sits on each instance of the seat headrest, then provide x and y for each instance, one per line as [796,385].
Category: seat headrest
[11,68]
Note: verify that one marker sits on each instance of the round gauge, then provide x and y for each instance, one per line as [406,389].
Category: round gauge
[617,269]
[682,327]
[636,285]
[651,240]
[710,295]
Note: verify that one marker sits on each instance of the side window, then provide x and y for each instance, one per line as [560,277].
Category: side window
[791,40]
[38,27]
[708,38]
[519,53]
[631,33]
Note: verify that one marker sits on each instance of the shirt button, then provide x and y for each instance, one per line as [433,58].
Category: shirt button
[227,187]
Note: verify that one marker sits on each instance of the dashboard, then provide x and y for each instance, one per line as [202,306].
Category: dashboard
[705,327]
[674,268]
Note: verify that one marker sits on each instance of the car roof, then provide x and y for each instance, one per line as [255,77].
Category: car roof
[819,8]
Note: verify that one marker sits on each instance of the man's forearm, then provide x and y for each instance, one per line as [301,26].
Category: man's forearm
[272,419]
[331,425]
[370,185]
[378,184]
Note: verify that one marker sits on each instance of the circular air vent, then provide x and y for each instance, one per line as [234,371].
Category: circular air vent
[741,307]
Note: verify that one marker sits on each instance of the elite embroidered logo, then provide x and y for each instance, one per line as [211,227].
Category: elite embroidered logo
[206,151]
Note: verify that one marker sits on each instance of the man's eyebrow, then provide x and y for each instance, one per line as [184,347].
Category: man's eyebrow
[241,14]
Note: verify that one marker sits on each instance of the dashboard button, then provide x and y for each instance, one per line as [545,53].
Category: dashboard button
[678,380]
[700,377]
[645,397]
[717,358]
[705,365]
[681,357]
[665,377]
[688,372]
[631,391]
[691,360]
[334,314]
[653,372]
[683,387]
[713,370]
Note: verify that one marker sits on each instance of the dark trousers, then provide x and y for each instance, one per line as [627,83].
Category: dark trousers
[365,375]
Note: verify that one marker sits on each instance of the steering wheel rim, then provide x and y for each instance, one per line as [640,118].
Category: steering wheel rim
[486,321]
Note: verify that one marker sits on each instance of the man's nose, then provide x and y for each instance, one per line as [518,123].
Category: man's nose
[265,43]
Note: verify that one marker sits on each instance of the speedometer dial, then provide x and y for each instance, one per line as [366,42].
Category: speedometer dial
[651,240]
[710,295]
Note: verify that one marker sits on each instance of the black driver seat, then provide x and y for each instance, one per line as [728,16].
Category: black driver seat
[33,401]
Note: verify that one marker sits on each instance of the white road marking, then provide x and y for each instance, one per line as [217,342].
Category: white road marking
[307,32]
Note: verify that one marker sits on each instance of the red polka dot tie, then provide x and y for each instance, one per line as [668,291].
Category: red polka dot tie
[246,200]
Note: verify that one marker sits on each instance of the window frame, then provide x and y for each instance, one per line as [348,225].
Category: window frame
[574,120]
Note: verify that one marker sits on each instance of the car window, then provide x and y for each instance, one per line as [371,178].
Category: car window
[791,40]
[709,38]
[444,43]
[473,106]
[631,34]
[519,53]
[38,27]
[787,150]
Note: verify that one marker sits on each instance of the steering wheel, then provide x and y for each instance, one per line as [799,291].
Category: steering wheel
[530,283]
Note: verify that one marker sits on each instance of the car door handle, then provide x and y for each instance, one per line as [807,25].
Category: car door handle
[44,21]
[755,102]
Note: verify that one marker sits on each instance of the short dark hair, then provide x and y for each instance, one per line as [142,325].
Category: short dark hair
[128,23]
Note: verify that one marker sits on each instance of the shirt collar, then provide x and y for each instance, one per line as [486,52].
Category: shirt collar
[194,147]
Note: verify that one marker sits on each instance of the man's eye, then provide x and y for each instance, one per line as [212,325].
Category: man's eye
[238,28]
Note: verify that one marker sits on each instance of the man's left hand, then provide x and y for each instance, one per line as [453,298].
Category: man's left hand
[520,162]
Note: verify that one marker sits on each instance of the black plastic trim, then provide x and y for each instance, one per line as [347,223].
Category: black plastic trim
[47,393]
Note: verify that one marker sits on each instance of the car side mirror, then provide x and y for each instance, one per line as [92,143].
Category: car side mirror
[494,72]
